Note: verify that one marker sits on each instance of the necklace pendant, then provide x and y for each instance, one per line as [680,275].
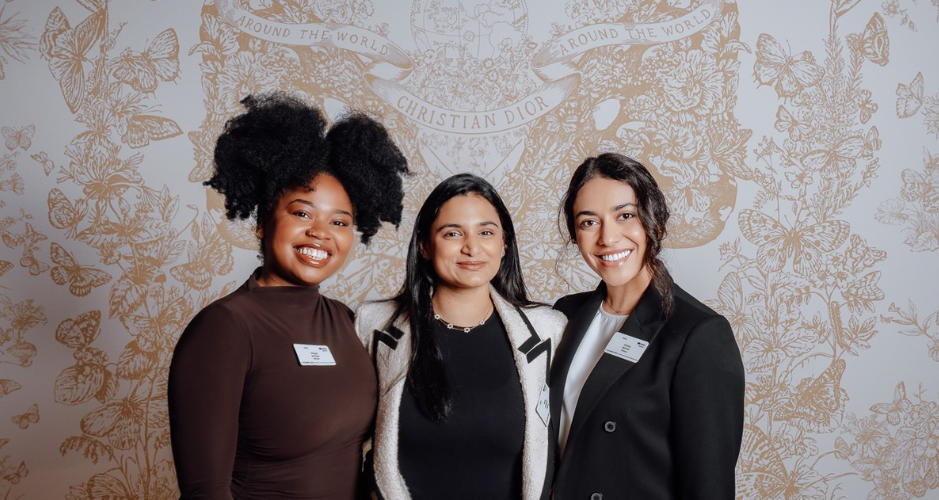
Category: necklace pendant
[466,329]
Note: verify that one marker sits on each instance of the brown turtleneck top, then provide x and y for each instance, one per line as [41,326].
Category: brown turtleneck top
[247,420]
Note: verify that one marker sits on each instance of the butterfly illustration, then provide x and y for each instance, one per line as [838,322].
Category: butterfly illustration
[788,75]
[30,417]
[842,156]
[5,266]
[14,184]
[866,106]
[7,386]
[141,129]
[34,265]
[21,137]
[153,331]
[785,122]
[62,213]
[66,47]
[861,255]
[20,473]
[872,143]
[143,70]
[920,187]
[875,44]
[80,279]
[43,158]
[910,97]
[899,405]
[27,240]
[816,400]
[209,255]
[861,293]
[120,421]
[762,473]
[804,245]
[81,331]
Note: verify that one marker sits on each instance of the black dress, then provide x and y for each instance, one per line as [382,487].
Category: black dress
[476,453]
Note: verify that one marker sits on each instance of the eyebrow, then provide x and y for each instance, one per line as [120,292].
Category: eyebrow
[313,205]
[459,226]
[615,209]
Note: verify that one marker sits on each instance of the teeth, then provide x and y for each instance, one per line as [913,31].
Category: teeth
[615,256]
[313,253]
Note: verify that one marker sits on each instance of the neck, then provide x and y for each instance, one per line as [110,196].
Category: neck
[622,299]
[463,307]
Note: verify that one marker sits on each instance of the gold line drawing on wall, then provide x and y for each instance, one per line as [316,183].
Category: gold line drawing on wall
[15,42]
[802,286]
[806,302]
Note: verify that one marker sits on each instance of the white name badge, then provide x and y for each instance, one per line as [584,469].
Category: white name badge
[544,405]
[314,355]
[626,347]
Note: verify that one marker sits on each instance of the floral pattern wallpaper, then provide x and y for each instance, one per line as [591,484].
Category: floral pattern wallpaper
[797,142]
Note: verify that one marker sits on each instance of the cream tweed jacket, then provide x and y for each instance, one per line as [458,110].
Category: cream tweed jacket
[531,354]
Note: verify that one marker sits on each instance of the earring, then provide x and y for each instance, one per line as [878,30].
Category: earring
[503,253]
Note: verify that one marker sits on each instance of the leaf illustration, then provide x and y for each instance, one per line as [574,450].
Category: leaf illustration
[125,297]
[134,363]
[79,383]
[89,448]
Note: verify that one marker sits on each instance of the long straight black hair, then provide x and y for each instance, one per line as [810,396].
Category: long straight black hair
[426,376]
[653,211]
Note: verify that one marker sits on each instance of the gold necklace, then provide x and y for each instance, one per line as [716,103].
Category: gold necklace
[465,329]
[615,310]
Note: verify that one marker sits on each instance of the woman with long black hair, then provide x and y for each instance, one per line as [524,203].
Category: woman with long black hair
[462,357]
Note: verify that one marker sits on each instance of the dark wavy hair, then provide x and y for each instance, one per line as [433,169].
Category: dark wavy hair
[426,376]
[653,211]
[281,143]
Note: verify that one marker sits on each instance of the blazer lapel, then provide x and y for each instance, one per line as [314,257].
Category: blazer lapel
[644,323]
[570,340]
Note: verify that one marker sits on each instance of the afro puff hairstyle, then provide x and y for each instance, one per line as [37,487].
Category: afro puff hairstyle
[281,143]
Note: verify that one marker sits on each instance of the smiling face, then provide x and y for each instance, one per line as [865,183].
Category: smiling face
[308,235]
[609,233]
[465,243]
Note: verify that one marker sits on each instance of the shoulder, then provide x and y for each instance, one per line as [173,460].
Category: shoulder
[372,316]
[708,332]
[571,304]
[221,323]
[227,310]
[339,307]
[692,311]
[546,320]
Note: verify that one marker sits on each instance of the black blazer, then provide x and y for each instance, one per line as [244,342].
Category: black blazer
[666,427]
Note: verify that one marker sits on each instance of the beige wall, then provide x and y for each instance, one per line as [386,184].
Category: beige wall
[798,142]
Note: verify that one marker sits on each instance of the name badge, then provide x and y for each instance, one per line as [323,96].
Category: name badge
[314,355]
[626,347]
[544,405]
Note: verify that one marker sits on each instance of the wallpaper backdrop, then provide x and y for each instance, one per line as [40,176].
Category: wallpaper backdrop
[797,141]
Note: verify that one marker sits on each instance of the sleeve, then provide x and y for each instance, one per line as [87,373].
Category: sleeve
[206,380]
[708,410]
[362,328]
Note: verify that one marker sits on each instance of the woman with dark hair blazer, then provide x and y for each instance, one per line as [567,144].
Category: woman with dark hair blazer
[647,383]
[462,410]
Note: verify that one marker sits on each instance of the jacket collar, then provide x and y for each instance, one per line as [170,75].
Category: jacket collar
[644,323]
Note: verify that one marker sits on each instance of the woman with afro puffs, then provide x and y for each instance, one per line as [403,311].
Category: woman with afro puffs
[271,394]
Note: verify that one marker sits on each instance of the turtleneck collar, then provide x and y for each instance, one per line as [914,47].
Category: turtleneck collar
[301,294]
